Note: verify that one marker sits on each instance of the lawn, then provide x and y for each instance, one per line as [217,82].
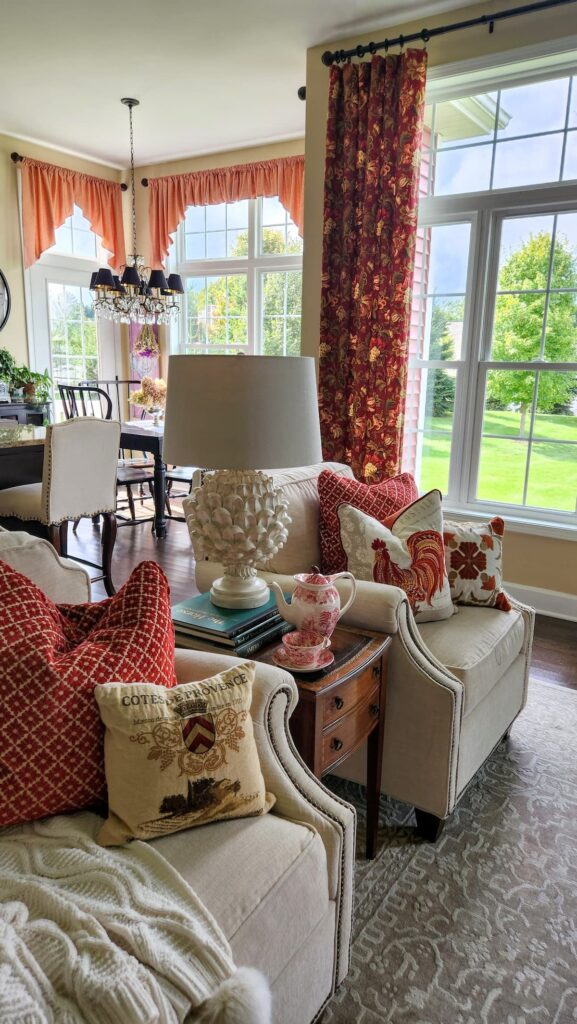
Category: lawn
[553,469]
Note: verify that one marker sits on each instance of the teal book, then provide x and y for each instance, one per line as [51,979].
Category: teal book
[222,624]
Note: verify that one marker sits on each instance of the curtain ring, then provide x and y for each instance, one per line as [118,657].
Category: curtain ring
[372,49]
[386,44]
[425,36]
[401,42]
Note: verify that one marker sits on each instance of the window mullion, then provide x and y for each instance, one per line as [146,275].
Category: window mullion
[530,444]
[481,325]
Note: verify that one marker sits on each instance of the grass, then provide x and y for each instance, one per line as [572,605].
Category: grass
[553,469]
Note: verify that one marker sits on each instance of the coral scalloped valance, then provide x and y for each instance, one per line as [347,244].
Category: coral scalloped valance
[49,194]
[170,196]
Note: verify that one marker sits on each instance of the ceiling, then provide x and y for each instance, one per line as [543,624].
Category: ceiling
[210,74]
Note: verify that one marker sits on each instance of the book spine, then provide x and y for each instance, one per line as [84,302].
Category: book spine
[252,646]
[225,636]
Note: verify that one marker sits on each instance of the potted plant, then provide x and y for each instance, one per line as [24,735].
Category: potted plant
[37,387]
[7,366]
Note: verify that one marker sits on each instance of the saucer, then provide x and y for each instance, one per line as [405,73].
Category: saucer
[281,658]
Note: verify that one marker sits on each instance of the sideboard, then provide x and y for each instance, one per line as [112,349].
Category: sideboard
[21,412]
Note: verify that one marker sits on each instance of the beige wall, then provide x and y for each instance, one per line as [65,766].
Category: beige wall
[13,337]
[530,560]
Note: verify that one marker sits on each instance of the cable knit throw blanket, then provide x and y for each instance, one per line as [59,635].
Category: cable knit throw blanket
[110,936]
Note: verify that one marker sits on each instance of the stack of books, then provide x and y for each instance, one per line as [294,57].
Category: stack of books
[202,626]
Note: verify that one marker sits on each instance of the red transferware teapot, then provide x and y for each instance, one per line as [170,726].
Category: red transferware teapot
[315,602]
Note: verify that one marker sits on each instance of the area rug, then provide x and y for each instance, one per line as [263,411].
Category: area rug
[480,928]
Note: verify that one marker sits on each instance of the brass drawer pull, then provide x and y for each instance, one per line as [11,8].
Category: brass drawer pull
[338,703]
[375,710]
[336,744]
[376,671]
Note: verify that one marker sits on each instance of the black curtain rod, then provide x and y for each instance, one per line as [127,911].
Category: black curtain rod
[338,56]
[17,158]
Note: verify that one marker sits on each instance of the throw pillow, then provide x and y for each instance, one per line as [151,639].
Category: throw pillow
[51,656]
[406,551]
[473,554]
[180,757]
[376,500]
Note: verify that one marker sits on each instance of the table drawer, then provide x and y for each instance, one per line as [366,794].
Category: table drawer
[347,733]
[347,696]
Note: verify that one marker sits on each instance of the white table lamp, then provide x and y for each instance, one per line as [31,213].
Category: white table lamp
[238,415]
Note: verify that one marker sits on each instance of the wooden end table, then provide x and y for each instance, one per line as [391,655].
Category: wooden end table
[342,706]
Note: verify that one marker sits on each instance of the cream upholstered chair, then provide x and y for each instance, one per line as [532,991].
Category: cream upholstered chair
[79,479]
[454,686]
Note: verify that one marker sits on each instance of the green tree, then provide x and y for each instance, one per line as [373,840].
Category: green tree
[518,326]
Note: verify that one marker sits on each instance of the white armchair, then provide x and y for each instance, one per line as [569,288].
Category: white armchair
[454,686]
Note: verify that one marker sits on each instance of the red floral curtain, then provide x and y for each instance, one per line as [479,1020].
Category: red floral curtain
[370,219]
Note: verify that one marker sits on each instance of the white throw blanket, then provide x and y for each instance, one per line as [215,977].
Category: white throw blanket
[110,936]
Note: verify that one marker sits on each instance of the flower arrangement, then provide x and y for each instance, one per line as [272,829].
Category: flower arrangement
[146,344]
[151,395]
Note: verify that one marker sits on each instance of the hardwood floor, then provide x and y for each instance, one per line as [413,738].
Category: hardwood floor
[554,647]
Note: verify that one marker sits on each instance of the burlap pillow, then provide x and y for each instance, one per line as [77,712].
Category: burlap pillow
[179,757]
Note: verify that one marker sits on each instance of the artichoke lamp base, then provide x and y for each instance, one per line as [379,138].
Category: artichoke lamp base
[234,592]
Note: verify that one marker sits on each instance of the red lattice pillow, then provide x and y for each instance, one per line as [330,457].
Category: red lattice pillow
[376,500]
[473,555]
[51,657]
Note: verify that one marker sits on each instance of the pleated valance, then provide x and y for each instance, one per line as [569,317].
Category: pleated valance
[170,196]
[49,194]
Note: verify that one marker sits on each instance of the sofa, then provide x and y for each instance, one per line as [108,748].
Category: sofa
[454,686]
[287,901]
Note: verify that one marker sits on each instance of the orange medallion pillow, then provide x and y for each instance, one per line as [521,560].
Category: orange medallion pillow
[51,657]
[406,551]
[474,556]
[376,500]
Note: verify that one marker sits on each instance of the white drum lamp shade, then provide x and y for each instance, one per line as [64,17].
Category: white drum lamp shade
[238,415]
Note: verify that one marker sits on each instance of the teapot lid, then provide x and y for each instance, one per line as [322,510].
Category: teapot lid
[315,578]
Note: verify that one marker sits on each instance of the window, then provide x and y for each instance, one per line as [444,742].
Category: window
[66,337]
[241,264]
[491,414]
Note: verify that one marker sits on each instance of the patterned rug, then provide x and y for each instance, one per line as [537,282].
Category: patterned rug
[480,928]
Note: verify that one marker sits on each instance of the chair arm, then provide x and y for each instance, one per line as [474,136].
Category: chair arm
[64,582]
[528,614]
[299,795]
[376,605]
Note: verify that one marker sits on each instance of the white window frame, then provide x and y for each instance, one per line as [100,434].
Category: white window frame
[254,266]
[486,211]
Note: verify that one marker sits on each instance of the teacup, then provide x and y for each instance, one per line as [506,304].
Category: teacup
[304,647]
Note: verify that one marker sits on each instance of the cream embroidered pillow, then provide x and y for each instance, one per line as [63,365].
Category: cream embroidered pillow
[405,551]
[181,756]
[474,559]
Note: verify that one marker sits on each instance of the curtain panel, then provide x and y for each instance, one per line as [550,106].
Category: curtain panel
[374,133]
[170,196]
[48,197]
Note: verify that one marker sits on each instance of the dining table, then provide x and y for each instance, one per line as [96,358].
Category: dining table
[22,457]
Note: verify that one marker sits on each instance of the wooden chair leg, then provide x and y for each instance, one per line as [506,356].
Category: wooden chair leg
[108,540]
[64,538]
[54,538]
[429,827]
[167,496]
[130,498]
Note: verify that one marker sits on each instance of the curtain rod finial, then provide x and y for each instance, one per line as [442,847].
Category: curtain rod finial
[302,92]
[327,58]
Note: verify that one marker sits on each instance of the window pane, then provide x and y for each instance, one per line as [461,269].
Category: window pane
[538,107]
[553,476]
[216,244]
[195,246]
[281,305]
[273,212]
[237,242]
[573,105]
[435,459]
[279,233]
[443,334]
[85,244]
[525,253]
[570,167]
[502,470]
[217,311]
[194,219]
[462,170]
[466,119]
[429,426]
[565,256]
[216,217]
[73,337]
[237,214]
[449,258]
[528,161]
[508,401]
[561,331]
[556,412]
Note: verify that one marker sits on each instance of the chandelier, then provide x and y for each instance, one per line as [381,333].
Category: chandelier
[141,295]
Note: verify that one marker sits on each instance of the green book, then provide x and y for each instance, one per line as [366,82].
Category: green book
[207,618]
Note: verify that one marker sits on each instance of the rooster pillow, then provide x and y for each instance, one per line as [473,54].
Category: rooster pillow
[405,551]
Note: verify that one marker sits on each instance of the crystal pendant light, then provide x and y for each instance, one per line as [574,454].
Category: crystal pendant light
[141,295]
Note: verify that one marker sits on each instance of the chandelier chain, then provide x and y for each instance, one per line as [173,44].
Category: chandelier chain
[132,181]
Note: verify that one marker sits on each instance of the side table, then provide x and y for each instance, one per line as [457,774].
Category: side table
[342,706]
